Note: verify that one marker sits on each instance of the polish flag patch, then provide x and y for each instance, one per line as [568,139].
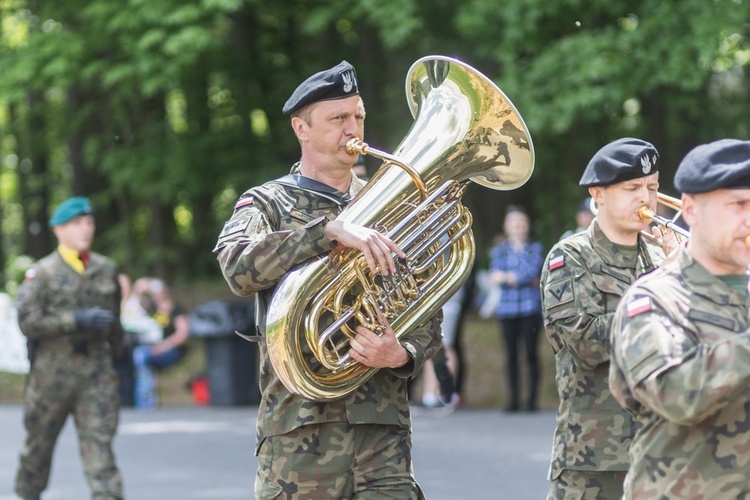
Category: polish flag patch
[556,262]
[639,306]
[244,202]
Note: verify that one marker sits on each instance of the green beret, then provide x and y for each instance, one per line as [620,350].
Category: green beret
[69,209]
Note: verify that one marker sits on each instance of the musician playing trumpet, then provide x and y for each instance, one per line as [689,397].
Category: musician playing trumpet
[582,281]
[358,445]
[681,342]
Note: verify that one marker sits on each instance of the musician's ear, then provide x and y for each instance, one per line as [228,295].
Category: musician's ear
[300,128]
[689,206]
[597,194]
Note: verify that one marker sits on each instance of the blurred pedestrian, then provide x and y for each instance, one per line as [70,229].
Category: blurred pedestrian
[439,377]
[167,349]
[515,265]
[68,307]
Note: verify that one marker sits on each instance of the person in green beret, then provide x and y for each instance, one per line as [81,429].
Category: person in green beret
[68,307]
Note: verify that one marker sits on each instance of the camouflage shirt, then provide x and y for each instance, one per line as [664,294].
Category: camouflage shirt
[53,291]
[681,365]
[583,279]
[275,227]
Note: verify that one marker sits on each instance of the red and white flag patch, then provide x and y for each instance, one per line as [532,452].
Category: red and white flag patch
[639,306]
[244,202]
[556,262]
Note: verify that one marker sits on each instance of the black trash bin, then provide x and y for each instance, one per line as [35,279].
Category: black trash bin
[231,361]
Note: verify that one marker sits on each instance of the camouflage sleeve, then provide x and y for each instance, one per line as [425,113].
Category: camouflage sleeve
[671,373]
[421,344]
[253,256]
[34,318]
[574,315]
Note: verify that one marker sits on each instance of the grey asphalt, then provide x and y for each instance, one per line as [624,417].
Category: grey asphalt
[199,453]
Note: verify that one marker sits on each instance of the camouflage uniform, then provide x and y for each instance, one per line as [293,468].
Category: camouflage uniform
[72,371]
[681,365]
[275,227]
[582,281]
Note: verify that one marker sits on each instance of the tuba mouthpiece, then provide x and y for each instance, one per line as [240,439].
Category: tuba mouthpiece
[356,146]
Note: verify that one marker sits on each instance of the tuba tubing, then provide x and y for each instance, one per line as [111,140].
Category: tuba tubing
[465,129]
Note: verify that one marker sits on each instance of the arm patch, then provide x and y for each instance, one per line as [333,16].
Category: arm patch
[234,227]
[559,292]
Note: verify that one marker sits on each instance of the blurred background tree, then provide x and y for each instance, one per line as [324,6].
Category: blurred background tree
[164,111]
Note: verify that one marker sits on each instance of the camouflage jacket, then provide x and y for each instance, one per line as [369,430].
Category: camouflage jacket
[53,291]
[275,227]
[681,365]
[582,281]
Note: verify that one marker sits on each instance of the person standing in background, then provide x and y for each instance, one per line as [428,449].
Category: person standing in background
[68,307]
[515,265]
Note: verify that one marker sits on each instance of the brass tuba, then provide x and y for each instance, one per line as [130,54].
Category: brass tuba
[465,129]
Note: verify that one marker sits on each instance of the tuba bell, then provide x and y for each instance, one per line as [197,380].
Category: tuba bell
[465,129]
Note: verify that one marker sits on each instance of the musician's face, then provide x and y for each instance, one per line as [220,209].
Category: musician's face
[719,222]
[331,125]
[620,202]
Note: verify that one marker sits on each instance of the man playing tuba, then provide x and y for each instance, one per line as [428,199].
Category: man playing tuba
[361,442]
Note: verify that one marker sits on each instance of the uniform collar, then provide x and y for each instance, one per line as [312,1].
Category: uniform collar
[72,258]
[310,185]
[705,284]
[644,260]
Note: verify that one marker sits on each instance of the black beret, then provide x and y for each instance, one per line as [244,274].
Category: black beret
[621,160]
[723,164]
[335,83]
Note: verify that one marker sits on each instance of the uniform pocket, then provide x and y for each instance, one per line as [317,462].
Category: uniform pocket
[265,487]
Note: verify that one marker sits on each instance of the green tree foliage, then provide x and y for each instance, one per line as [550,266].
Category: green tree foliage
[164,111]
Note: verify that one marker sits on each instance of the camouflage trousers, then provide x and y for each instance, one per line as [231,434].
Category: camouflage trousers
[337,460]
[587,485]
[62,383]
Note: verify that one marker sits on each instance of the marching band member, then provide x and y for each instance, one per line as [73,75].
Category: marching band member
[583,279]
[681,342]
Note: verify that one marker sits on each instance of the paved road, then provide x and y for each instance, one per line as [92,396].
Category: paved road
[206,453]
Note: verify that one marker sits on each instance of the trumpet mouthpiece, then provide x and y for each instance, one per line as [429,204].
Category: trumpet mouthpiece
[646,213]
[747,240]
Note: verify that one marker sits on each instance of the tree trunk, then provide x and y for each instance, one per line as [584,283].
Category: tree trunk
[32,181]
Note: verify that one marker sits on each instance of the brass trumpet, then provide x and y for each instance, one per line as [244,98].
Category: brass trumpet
[675,204]
[646,213]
